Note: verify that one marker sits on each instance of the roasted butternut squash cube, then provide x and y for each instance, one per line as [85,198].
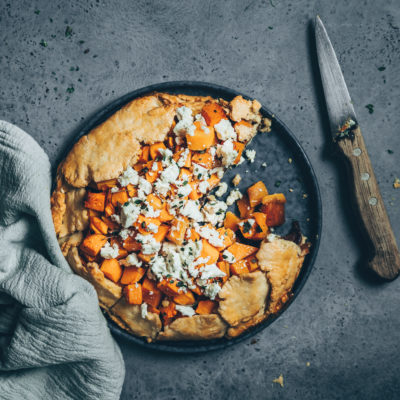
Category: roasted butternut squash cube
[119,198]
[171,287]
[256,193]
[202,138]
[224,267]
[178,229]
[92,244]
[151,295]
[206,160]
[239,267]
[239,147]
[132,275]
[206,307]
[96,201]
[240,250]
[244,207]
[185,298]
[155,150]
[213,113]
[231,221]
[108,184]
[273,206]
[97,225]
[111,269]
[133,293]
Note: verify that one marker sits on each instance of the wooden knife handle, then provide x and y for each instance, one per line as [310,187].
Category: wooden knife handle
[384,253]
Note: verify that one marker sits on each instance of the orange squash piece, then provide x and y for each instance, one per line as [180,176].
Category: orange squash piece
[152,175]
[145,154]
[209,251]
[194,194]
[169,287]
[165,216]
[133,293]
[132,191]
[239,147]
[98,226]
[239,267]
[122,252]
[145,257]
[273,206]
[160,235]
[92,244]
[206,307]
[228,237]
[213,113]
[108,184]
[143,223]
[95,201]
[186,298]
[132,275]
[240,250]
[248,227]
[109,210]
[111,269]
[154,201]
[188,161]
[119,198]
[130,244]
[178,230]
[111,224]
[256,193]
[155,150]
[213,181]
[244,207]
[261,230]
[194,236]
[201,139]
[231,221]
[185,175]
[168,313]
[206,160]
[151,295]
[224,267]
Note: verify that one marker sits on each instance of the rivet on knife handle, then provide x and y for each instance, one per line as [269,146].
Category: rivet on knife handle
[385,256]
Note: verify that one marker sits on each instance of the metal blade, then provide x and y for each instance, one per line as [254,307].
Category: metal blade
[337,97]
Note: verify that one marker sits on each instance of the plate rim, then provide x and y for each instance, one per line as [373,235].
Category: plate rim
[190,347]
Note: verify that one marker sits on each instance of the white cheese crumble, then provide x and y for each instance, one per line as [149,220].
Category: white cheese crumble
[114,189]
[124,233]
[233,196]
[171,173]
[228,256]
[182,159]
[145,188]
[210,234]
[211,271]
[143,310]
[224,130]
[191,210]
[187,311]
[149,244]
[212,290]
[129,176]
[116,218]
[185,124]
[150,212]
[108,251]
[133,260]
[264,164]
[200,172]
[184,190]
[222,188]
[152,227]
[203,187]
[130,212]
[161,187]
[251,155]
[214,212]
[227,153]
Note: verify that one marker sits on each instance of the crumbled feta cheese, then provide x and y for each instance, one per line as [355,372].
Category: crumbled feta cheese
[150,212]
[130,212]
[185,124]
[236,180]
[152,227]
[187,311]
[219,171]
[211,235]
[211,271]
[251,155]
[264,164]
[241,161]
[227,153]
[191,210]
[143,310]
[124,233]
[212,151]
[114,189]
[199,117]
[158,267]
[149,244]
[222,188]
[214,212]
[212,290]
[184,190]
[161,187]
[129,176]
[166,157]
[228,256]
[203,187]
[108,251]
[233,196]
[182,159]
[171,173]
[145,187]
[200,172]
[224,130]
[116,218]
[133,260]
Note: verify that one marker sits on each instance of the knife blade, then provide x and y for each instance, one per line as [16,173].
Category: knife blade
[384,256]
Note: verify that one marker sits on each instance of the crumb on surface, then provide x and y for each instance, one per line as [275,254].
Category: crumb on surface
[236,180]
[308,363]
[279,380]
[396,183]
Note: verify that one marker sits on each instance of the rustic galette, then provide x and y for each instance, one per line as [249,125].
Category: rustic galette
[134,215]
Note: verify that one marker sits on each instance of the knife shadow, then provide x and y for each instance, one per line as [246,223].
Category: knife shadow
[331,154]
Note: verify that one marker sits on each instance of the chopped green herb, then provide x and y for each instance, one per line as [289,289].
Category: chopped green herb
[224,256]
[37,12]
[51,19]
[43,43]
[143,225]
[390,151]
[246,227]
[370,108]
[126,203]
[180,284]
[70,90]
[185,183]
[277,183]
[81,42]
[86,51]
[68,31]
[258,229]
[382,68]
[171,281]
[270,28]
[138,201]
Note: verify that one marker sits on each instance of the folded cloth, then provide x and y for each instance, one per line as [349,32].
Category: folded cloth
[54,340]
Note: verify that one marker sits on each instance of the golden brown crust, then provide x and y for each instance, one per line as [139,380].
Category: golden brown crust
[244,109]
[242,297]
[130,316]
[235,331]
[58,207]
[67,242]
[282,260]
[197,327]
[245,133]
[108,292]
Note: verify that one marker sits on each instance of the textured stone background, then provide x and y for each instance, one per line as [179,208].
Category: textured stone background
[344,324]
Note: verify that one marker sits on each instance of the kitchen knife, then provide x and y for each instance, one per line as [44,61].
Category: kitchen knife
[381,244]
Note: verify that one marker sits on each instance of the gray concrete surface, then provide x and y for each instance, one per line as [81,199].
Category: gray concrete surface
[340,338]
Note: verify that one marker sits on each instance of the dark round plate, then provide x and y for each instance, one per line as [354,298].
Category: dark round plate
[288,170]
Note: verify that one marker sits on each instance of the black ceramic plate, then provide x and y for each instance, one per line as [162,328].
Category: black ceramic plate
[288,170]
